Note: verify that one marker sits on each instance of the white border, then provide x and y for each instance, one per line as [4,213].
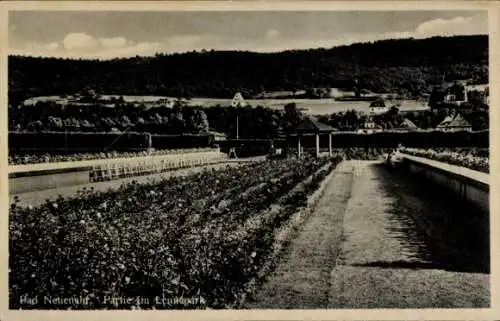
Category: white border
[373,314]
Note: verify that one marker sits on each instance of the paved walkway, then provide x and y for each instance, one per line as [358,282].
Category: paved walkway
[379,240]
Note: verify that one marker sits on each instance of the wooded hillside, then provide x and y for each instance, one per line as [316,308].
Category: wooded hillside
[405,66]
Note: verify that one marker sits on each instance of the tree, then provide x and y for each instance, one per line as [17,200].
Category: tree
[198,122]
[379,102]
[477,98]
[292,117]
[437,96]
[458,91]
[351,119]
[178,122]
[291,109]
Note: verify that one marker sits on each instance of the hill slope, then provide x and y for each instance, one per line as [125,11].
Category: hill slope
[405,66]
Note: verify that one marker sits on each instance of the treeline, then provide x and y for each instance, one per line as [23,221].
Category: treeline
[49,116]
[256,122]
[250,122]
[406,66]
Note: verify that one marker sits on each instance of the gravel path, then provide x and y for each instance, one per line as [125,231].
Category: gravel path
[381,239]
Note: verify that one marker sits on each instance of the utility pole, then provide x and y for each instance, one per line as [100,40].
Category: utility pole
[238,102]
[237,125]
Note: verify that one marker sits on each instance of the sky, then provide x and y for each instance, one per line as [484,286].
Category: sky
[106,35]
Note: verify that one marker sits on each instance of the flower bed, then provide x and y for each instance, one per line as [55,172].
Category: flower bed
[360,153]
[18,159]
[201,237]
[473,158]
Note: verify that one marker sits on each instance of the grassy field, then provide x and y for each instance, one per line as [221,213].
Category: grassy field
[313,106]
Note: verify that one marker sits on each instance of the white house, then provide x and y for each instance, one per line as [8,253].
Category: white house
[376,110]
[238,101]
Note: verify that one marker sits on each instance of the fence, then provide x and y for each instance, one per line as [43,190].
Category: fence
[129,167]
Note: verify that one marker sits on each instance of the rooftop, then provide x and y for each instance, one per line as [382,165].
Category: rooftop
[408,124]
[456,121]
[311,125]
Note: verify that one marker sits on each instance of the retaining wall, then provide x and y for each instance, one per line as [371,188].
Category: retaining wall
[469,185]
[37,180]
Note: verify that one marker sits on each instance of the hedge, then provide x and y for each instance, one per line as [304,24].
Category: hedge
[68,142]
[76,141]
[181,141]
[391,139]
[71,142]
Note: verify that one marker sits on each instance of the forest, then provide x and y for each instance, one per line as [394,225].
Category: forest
[409,67]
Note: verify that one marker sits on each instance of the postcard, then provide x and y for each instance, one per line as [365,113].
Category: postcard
[249,161]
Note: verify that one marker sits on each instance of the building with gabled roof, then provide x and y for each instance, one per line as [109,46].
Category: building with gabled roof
[407,125]
[369,126]
[238,101]
[312,125]
[446,121]
[454,123]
